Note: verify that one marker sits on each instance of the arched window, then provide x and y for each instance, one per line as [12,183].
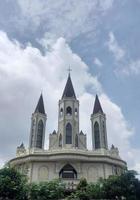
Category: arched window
[33,122]
[60,140]
[69,110]
[68,172]
[39,134]
[61,111]
[32,132]
[68,134]
[76,140]
[104,138]
[97,135]
[76,111]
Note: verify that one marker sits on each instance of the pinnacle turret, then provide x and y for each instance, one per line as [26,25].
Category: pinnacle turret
[40,106]
[97,106]
[69,90]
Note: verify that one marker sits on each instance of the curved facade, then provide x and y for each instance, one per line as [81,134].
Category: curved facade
[68,157]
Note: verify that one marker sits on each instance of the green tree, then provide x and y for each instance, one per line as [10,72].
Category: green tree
[80,192]
[82,184]
[52,190]
[13,185]
[95,191]
[125,185]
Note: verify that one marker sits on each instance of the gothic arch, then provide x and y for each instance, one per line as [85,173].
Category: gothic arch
[76,140]
[104,136]
[76,111]
[32,132]
[97,135]
[61,111]
[33,122]
[68,134]
[60,140]
[39,134]
[68,172]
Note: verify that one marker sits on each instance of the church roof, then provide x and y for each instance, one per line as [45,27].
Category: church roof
[69,90]
[97,106]
[40,106]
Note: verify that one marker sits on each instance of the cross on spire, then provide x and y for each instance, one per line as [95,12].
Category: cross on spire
[69,70]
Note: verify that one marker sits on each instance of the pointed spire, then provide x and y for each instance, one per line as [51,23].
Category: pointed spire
[97,106]
[40,106]
[81,132]
[69,90]
[22,145]
[54,132]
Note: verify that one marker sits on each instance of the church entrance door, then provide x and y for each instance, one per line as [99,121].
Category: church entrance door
[68,172]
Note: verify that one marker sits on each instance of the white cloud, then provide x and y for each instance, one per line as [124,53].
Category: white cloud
[106,4]
[67,19]
[124,64]
[98,62]
[48,40]
[132,68]
[114,47]
[24,72]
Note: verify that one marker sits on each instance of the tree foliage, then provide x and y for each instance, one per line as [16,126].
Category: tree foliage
[81,191]
[52,190]
[125,186]
[14,186]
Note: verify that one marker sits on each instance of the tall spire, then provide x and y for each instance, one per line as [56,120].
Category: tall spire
[69,90]
[40,106]
[97,106]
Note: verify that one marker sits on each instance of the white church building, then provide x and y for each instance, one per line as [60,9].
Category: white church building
[67,157]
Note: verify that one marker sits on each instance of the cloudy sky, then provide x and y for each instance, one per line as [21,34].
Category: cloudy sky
[99,39]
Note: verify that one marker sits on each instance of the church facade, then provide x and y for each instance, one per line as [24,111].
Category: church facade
[68,157]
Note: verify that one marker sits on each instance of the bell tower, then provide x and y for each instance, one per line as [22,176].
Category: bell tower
[98,123]
[38,123]
[68,117]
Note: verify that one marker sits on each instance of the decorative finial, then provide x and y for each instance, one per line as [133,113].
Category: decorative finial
[69,70]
